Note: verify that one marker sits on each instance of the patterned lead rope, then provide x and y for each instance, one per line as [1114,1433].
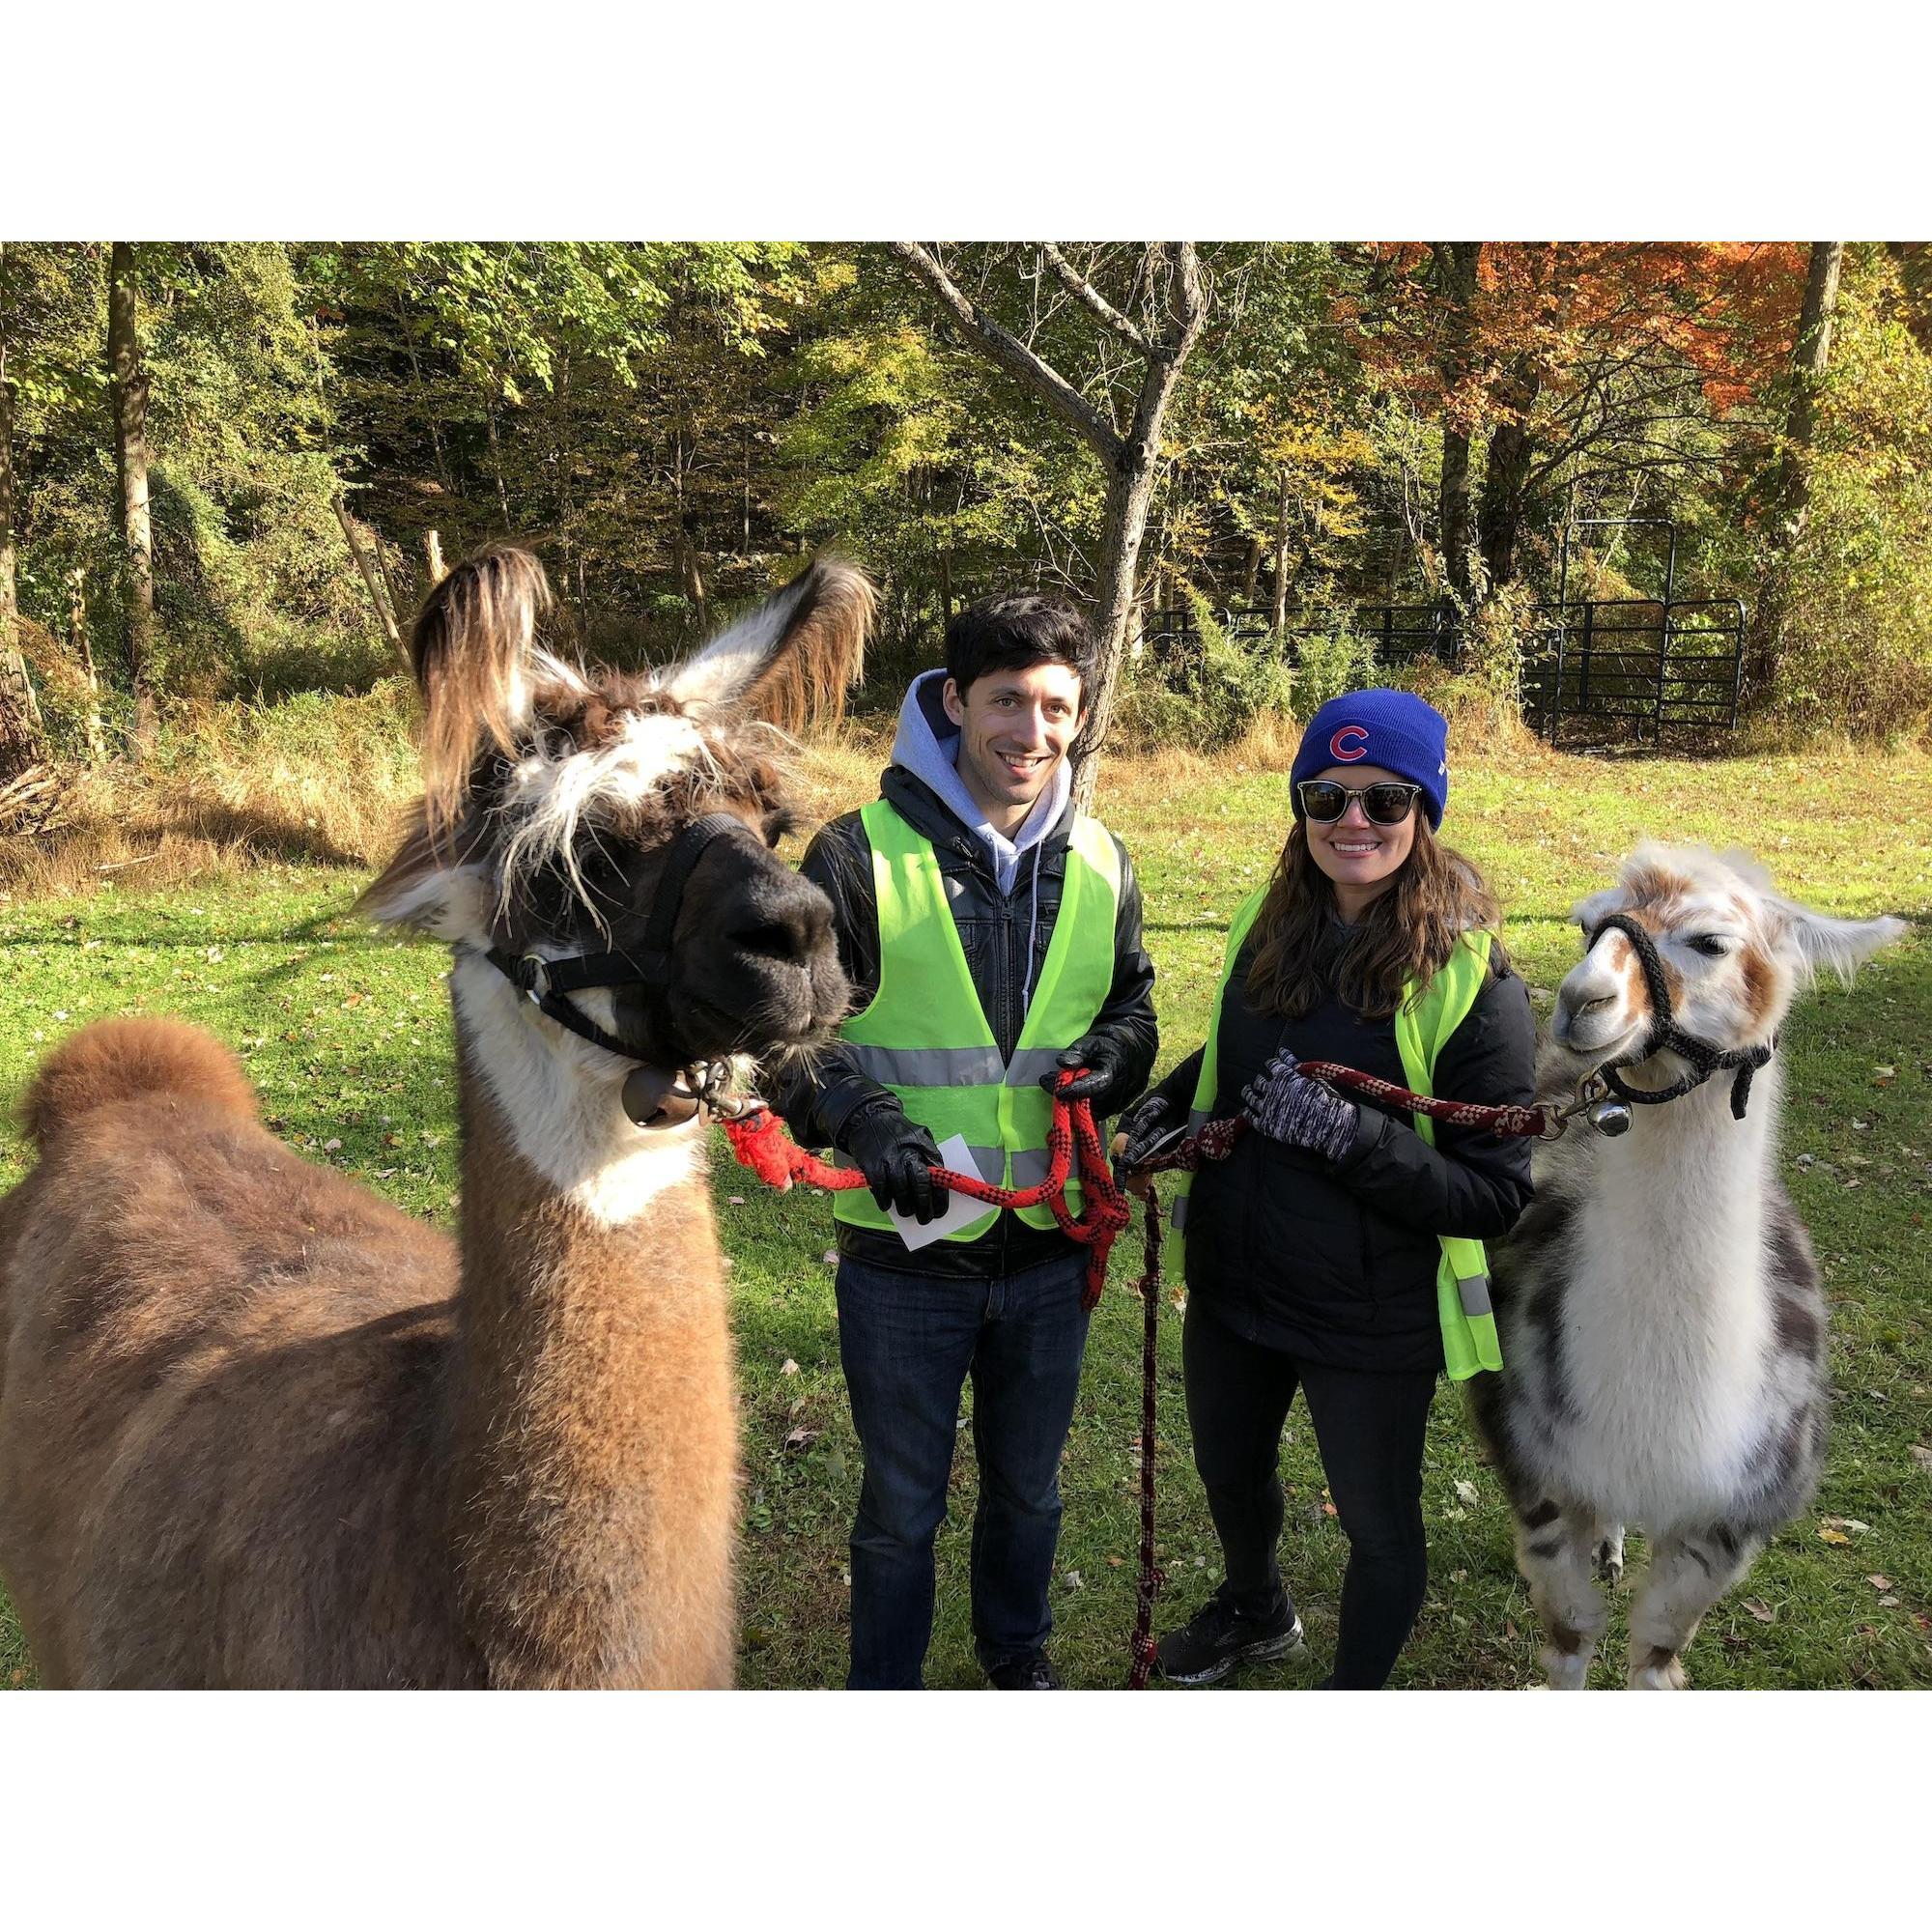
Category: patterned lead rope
[759,1141]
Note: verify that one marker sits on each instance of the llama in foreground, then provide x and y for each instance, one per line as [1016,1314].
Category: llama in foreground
[260,1428]
[1662,1319]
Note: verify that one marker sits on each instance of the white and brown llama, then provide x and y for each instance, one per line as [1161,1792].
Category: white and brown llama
[1661,1317]
[260,1428]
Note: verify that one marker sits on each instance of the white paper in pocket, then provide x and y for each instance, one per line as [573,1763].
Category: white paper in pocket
[961,1209]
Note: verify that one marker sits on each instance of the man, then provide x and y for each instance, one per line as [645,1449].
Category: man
[992,935]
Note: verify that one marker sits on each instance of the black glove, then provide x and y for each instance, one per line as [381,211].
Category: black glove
[895,1154]
[1145,1123]
[1102,1086]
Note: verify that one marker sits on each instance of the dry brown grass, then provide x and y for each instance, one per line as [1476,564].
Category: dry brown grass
[327,783]
[231,787]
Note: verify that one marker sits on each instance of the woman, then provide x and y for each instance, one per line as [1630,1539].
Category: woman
[1337,1249]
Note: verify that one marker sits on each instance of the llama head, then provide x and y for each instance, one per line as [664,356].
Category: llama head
[553,796]
[1733,951]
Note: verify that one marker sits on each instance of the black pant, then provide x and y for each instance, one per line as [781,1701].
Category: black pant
[1369,1428]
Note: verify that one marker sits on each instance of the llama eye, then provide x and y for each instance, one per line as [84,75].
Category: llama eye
[599,870]
[1709,945]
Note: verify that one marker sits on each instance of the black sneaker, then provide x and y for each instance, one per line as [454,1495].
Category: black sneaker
[1218,1636]
[1026,1673]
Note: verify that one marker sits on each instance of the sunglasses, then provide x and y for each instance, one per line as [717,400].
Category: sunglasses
[1324,800]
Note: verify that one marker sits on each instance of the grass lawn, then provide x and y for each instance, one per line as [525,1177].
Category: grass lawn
[347,1035]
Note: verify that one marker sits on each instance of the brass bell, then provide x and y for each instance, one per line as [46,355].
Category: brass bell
[1610,1117]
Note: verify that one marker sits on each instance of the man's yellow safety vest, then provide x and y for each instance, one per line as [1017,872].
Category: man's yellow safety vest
[925,1034]
[1422,1029]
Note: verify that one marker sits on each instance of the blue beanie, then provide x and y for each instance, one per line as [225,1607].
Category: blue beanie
[1391,728]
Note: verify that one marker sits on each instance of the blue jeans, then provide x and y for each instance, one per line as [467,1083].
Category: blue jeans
[908,1342]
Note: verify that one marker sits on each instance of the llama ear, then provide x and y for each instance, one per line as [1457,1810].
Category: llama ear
[1587,911]
[434,884]
[792,658]
[472,647]
[1824,944]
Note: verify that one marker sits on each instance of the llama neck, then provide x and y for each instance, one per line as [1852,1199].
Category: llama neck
[1677,1211]
[593,1440]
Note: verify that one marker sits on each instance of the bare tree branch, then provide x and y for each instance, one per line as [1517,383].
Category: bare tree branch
[1094,302]
[1012,354]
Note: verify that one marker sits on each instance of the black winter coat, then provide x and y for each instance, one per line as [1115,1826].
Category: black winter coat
[1336,1263]
[993,928]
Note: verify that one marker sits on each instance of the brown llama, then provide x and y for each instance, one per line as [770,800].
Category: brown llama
[260,1428]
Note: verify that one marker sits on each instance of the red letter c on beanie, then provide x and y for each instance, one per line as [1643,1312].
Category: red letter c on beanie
[1349,745]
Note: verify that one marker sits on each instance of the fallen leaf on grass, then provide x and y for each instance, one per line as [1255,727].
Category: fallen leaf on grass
[788,1367]
[1922,1456]
[1073,1580]
[330,1146]
[1509,1629]
[734,1201]
[801,1438]
[1888,1603]
[1827,1534]
[1327,1509]
[1879,1583]
[1115,1562]
[1760,1609]
[1467,1493]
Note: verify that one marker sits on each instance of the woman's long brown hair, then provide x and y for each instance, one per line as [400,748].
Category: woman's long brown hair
[1404,933]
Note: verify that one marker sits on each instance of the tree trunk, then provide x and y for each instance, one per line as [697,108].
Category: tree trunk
[385,615]
[83,649]
[433,557]
[1457,263]
[1810,356]
[1129,461]
[1129,496]
[127,382]
[1283,503]
[20,725]
[496,466]
[1251,572]
[1512,454]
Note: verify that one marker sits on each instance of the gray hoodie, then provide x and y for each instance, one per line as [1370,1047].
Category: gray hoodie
[928,746]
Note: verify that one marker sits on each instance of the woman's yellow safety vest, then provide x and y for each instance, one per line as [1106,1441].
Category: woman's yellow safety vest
[925,1034]
[1422,1029]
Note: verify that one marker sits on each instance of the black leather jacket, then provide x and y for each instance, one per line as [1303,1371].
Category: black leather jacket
[1335,1263]
[993,928]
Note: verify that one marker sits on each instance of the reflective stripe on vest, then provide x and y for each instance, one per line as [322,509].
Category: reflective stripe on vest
[1423,1027]
[925,1034]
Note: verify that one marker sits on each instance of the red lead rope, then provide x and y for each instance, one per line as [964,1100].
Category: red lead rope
[760,1143]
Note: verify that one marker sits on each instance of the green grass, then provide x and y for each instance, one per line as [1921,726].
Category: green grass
[347,1035]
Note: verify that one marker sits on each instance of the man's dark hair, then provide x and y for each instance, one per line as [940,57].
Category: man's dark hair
[1013,630]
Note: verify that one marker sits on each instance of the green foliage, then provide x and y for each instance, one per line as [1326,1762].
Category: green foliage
[1856,647]
[1330,664]
[674,424]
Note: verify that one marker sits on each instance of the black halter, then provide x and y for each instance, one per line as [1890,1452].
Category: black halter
[1664,1032]
[544,982]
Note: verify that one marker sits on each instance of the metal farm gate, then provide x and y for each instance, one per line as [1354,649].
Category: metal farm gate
[1615,665]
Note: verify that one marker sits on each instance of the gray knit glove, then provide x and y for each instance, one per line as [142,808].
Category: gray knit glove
[1286,1106]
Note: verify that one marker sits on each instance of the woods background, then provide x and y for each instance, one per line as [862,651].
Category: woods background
[231,471]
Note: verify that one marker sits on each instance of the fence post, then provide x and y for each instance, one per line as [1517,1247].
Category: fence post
[1662,653]
[1583,670]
